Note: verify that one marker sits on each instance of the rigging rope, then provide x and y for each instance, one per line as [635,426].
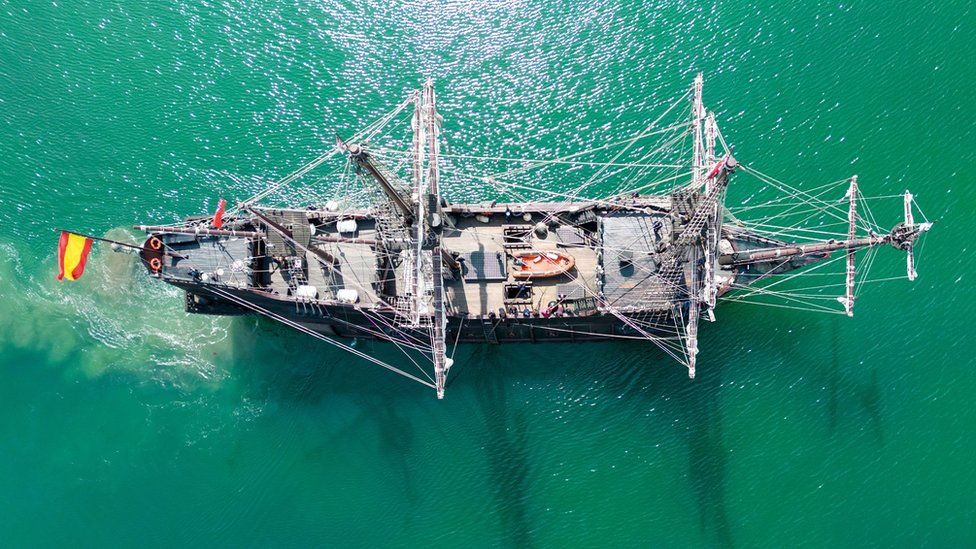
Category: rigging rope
[308,331]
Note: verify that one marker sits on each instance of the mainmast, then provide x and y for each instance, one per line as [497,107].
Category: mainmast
[694,252]
[411,223]
[414,274]
[432,222]
[419,133]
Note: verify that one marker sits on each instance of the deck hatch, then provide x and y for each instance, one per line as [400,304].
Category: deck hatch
[484,266]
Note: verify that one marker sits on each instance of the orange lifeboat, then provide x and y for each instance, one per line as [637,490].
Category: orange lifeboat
[538,264]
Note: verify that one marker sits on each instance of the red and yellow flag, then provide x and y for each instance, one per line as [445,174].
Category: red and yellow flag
[72,254]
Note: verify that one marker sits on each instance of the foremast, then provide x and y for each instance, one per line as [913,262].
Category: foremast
[714,231]
[850,272]
[698,213]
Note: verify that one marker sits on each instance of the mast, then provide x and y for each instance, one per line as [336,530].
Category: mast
[432,221]
[415,258]
[910,247]
[691,235]
[433,130]
[694,290]
[711,132]
[403,204]
[715,227]
[848,300]
[686,249]
[693,312]
[692,231]
[697,152]
[419,129]
[438,342]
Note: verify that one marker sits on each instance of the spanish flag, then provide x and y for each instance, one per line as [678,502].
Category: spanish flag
[72,254]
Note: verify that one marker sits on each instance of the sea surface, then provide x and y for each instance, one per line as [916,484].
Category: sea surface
[126,422]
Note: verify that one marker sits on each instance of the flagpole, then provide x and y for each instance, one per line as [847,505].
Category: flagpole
[117,243]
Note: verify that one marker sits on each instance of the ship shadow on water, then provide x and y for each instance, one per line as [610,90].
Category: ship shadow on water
[843,390]
[634,380]
[506,446]
[284,367]
[853,398]
[293,371]
[650,380]
[288,369]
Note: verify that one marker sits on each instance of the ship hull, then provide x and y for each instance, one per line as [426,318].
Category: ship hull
[354,322]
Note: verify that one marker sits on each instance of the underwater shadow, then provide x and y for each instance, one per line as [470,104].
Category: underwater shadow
[649,379]
[866,395]
[274,364]
[506,449]
[847,397]
[635,373]
[290,368]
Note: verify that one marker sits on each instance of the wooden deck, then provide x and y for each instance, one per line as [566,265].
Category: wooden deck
[357,263]
[356,267]
[481,298]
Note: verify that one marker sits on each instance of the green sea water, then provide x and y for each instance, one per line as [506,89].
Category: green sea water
[126,422]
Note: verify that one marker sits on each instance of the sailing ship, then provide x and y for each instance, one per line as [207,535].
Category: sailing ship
[392,256]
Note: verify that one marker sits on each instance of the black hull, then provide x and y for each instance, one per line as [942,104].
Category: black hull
[352,322]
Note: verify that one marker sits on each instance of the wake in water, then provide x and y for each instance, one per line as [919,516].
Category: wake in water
[117,322]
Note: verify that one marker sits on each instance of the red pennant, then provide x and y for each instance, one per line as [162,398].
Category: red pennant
[218,219]
[718,167]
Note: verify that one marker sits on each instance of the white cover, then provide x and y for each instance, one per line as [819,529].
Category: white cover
[347,226]
[307,292]
[347,295]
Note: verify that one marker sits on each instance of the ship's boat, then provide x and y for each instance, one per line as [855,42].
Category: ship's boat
[533,265]
[643,245]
